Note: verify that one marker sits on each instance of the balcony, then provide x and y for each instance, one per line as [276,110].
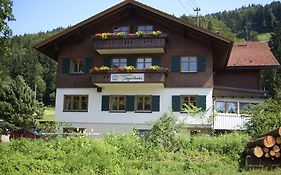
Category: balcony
[230,122]
[130,44]
[136,76]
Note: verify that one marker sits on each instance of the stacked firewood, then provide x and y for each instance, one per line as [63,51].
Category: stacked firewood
[264,151]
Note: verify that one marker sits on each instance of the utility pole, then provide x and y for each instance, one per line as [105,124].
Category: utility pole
[197,10]
[247,33]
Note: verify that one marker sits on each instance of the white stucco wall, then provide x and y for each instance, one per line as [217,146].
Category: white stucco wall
[101,121]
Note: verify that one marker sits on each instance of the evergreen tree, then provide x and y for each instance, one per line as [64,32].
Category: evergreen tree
[18,105]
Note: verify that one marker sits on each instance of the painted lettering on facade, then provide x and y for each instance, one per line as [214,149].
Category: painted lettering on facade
[127,77]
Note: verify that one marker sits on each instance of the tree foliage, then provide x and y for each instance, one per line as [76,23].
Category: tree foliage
[265,117]
[164,132]
[18,105]
[5,32]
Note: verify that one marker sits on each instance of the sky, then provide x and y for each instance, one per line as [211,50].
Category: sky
[33,16]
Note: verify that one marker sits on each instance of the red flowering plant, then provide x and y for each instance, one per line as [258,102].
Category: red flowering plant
[120,69]
[95,69]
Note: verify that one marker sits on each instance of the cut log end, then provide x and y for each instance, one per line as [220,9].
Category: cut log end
[277,154]
[278,140]
[266,150]
[276,148]
[258,152]
[269,141]
[272,153]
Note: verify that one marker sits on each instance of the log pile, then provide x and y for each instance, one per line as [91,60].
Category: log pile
[264,151]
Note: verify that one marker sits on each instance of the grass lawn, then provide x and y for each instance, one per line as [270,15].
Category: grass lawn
[49,114]
[264,37]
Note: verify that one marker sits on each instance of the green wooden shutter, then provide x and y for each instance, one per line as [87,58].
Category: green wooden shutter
[130,103]
[201,64]
[156,103]
[107,61]
[105,103]
[131,61]
[176,103]
[66,65]
[201,102]
[175,62]
[156,61]
[88,64]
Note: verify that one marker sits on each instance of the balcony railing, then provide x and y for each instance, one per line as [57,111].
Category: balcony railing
[136,76]
[230,122]
[149,43]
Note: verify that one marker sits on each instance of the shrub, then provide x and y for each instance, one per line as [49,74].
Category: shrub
[164,132]
[264,117]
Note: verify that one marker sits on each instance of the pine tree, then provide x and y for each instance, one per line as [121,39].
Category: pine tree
[18,105]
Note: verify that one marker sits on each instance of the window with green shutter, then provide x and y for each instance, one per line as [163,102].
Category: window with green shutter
[156,60]
[88,64]
[175,63]
[105,103]
[176,103]
[156,103]
[66,65]
[201,64]
[107,61]
[201,102]
[130,103]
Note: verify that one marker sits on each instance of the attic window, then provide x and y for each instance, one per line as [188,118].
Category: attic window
[118,29]
[146,28]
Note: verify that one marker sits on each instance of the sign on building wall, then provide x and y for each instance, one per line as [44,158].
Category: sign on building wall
[128,77]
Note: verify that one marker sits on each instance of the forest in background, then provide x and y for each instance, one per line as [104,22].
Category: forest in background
[39,71]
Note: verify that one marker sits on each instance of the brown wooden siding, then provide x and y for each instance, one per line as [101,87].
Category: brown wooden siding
[179,43]
[248,79]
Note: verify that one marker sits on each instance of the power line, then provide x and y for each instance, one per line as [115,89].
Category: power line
[191,4]
[184,7]
[194,3]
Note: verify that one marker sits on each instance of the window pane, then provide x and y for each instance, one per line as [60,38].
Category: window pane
[114,103]
[231,107]
[140,66]
[139,103]
[84,103]
[81,66]
[220,107]
[149,28]
[115,62]
[122,103]
[193,100]
[193,66]
[184,66]
[141,28]
[147,103]
[148,62]
[75,103]
[67,106]
[140,63]
[74,66]
[194,59]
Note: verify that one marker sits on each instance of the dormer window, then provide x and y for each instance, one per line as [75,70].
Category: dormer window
[118,29]
[146,28]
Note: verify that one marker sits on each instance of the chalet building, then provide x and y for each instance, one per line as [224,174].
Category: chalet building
[128,65]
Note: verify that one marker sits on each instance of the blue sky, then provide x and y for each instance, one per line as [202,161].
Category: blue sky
[41,15]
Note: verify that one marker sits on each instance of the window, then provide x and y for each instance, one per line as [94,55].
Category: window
[146,28]
[187,100]
[220,107]
[117,103]
[143,63]
[75,103]
[226,107]
[119,62]
[143,104]
[188,64]
[77,66]
[118,29]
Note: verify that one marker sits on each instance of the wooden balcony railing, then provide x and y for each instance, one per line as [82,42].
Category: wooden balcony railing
[136,76]
[130,42]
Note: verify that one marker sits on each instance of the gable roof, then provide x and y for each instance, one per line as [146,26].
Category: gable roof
[251,55]
[48,46]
